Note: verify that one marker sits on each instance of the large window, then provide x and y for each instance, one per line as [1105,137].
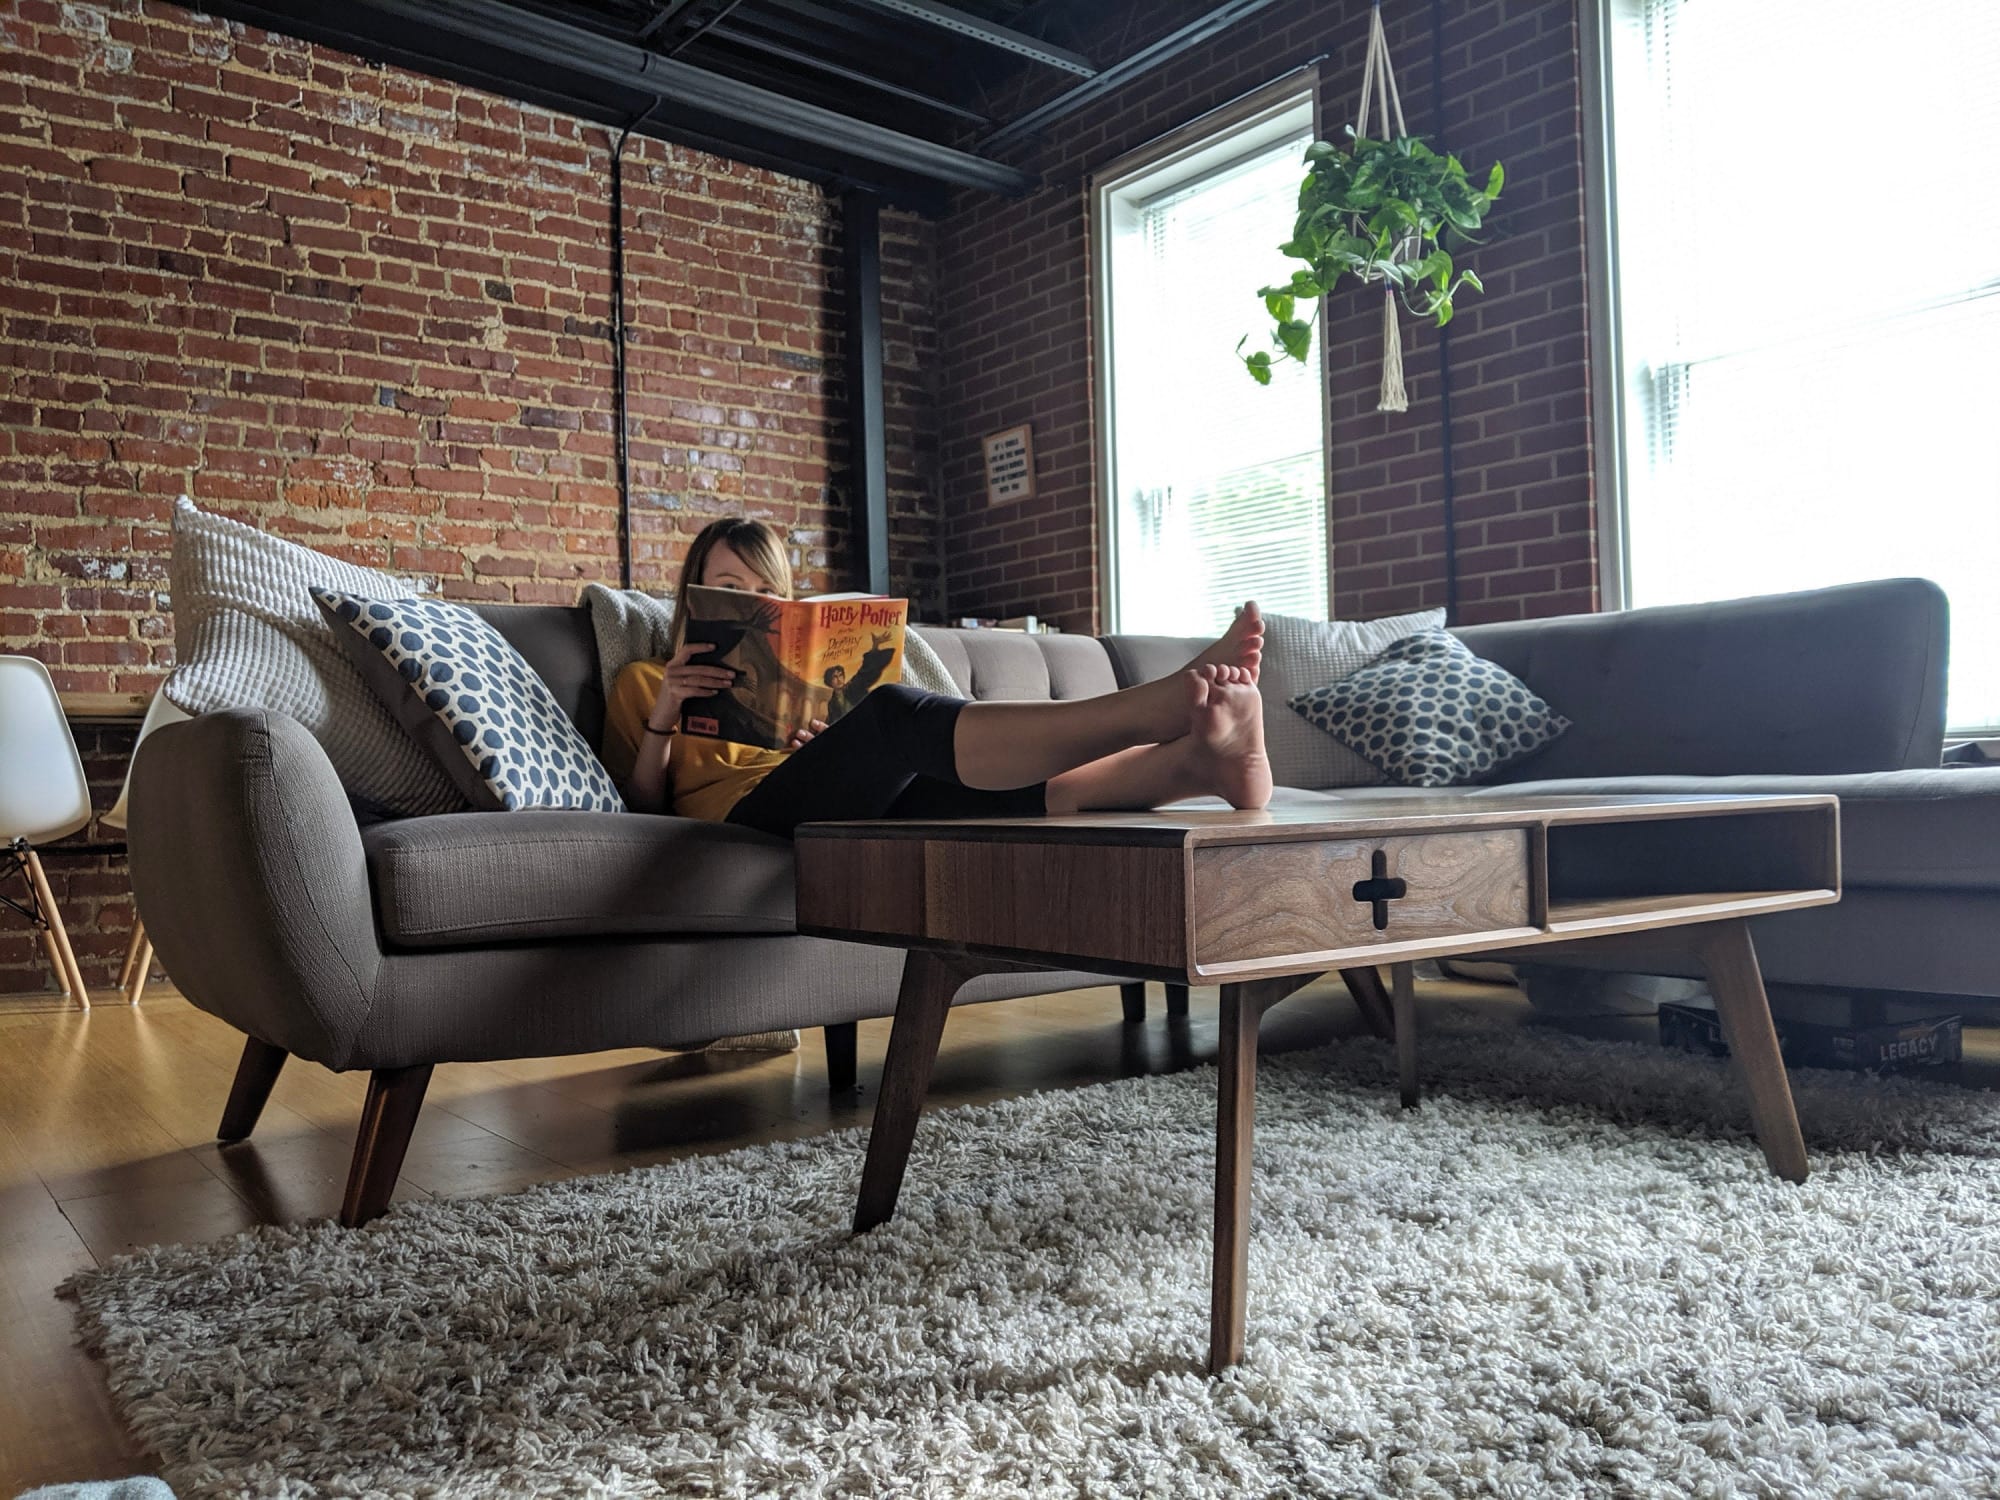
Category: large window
[1808,258]
[1214,487]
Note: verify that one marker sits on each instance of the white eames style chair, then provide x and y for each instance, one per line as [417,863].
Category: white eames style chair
[43,797]
[139,953]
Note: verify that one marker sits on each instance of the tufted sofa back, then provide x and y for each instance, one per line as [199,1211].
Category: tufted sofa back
[559,644]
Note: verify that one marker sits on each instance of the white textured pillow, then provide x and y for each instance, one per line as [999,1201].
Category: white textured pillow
[924,669]
[1300,655]
[248,635]
[630,625]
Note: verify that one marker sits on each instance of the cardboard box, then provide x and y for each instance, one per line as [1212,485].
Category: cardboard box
[1897,1046]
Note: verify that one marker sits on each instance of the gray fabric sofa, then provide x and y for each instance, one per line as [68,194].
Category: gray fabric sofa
[398,945]
[1837,691]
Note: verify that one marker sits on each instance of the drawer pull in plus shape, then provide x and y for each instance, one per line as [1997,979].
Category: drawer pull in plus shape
[1380,889]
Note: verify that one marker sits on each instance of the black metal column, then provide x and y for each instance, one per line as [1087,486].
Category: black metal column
[867,422]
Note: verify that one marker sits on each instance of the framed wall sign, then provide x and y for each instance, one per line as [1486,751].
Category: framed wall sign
[1010,465]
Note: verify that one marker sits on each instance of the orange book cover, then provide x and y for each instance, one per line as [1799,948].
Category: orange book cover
[795,660]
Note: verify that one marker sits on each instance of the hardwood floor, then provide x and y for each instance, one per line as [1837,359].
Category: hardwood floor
[108,1119]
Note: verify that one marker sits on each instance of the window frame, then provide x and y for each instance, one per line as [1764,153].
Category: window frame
[1208,144]
[1607,353]
[1598,37]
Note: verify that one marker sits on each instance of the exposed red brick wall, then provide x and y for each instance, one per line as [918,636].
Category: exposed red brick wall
[370,310]
[1015,333]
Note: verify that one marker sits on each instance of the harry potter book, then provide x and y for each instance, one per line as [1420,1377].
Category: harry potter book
[795,660]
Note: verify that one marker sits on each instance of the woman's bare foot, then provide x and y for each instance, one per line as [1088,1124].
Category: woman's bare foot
[1241,645]
[1225,739]
[1215,749]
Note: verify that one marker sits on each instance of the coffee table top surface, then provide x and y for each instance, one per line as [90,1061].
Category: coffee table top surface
[1417,812]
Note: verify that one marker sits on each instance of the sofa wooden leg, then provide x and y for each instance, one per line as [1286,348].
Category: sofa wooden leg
[394,1097]
[843,1073]
[1177,1001]
[255,1074]
[1133,998]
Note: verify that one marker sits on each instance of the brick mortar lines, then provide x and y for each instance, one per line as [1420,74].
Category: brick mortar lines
[1512,93]
[178,198]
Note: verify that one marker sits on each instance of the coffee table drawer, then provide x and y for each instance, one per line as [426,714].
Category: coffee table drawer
[1268,901]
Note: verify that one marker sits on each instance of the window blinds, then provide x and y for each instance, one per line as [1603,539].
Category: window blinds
[1221,486]
[1810,298]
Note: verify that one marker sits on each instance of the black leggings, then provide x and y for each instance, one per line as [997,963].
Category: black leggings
[891,757]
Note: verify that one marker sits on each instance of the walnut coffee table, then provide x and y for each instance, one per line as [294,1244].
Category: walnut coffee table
[1263,903]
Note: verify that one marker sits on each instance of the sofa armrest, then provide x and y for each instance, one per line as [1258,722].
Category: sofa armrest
[249,872]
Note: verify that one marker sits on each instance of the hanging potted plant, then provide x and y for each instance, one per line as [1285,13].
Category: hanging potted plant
[1377,210]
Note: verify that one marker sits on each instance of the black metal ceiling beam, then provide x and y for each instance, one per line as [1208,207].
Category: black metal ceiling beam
[1120,73]
[542,40]
[490,67]
[701,28]
[737,36]
[901,51]
[665,16]
[992,33]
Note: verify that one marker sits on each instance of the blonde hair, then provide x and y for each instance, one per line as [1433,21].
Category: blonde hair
[756,543]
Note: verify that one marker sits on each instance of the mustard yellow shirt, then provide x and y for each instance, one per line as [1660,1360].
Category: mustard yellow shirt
[705,777]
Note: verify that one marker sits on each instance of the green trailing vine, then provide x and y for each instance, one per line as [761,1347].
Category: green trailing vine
[1375,211]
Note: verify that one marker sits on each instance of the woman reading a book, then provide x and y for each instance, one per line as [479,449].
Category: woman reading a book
[903,753]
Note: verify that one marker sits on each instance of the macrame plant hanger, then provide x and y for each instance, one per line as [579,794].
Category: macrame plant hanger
[1378,85]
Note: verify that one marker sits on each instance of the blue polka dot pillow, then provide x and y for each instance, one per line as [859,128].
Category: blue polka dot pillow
[470,699]
[1427,712]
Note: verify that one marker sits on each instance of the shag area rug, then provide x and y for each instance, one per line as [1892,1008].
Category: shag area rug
[1568,1273]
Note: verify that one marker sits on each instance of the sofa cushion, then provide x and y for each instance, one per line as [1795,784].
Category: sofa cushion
[1012,665]
[1429,713]
[476,878]
[1899,830]
[472,701]
[248,635]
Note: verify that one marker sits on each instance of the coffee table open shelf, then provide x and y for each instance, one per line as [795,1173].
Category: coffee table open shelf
[1263,903]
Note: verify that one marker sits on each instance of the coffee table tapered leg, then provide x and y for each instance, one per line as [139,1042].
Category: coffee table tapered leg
[1235,1119]
[1737,984]
[1403,997]
[929,982]
[1243,1006]
[1364,987]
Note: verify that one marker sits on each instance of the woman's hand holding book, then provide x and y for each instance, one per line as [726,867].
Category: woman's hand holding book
[683,679]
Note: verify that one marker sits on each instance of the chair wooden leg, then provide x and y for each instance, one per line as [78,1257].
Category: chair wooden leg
[843,1072]
[65,955]
[256,1072]
[395,1095]
[56,964]
[132,951]
[141,973]
[139,963]
[1177,1001]
[1133,998]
